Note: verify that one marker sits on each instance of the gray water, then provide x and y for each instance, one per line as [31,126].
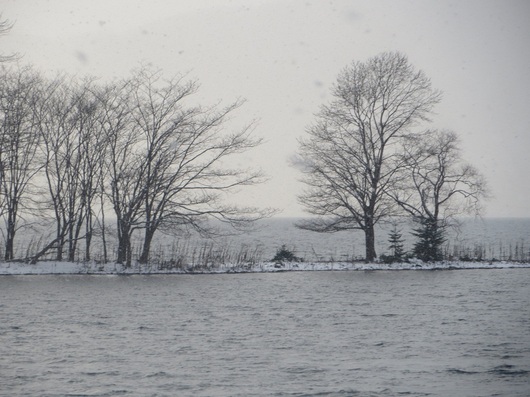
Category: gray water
[415,333]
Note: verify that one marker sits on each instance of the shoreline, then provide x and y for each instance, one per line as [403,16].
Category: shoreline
[68,268]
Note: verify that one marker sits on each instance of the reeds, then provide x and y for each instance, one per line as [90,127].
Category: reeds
[501,251]
[186,255]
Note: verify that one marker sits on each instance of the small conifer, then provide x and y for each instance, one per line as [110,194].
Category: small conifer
[396,244]
[431,236]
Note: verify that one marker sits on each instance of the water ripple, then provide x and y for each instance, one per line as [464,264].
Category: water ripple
[289,334]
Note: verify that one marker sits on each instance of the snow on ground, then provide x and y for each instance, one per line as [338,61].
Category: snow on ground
[50,267]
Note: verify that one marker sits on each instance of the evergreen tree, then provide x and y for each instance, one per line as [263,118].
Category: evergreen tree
[396,244]
[431,236]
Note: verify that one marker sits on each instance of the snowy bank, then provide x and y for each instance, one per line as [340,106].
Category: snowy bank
[51,267]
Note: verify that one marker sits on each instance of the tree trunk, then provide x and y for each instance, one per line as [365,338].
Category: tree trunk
[88,241]
[122,249]
[77,233]
[369,235]
[60,243]
[124,245]
[144,257]
[72,244]
[10,238]
[129,253]
[103,231]
[9,248]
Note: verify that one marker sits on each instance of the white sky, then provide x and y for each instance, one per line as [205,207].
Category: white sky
[284,55]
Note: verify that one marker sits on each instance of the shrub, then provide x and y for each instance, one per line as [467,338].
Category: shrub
[285,255]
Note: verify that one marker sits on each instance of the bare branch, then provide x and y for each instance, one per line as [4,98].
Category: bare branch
[5,27]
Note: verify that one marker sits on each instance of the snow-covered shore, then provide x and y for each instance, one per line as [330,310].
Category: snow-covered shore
[51,267]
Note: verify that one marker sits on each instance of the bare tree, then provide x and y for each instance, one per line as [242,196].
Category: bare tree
[135,145]
[171,171]
[123,180]
[351,156]
[89,151]
[63,160]
[73,149]
[19,141]
[436,186]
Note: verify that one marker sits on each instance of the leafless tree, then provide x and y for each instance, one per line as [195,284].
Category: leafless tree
[19,140]
[88,154]
[124,179]
[170,170]
[62,116]
[71,117]
[134,145]
[436,186]
[350,158]
[52,112]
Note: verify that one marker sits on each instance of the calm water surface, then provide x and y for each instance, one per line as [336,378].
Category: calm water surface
[416,333]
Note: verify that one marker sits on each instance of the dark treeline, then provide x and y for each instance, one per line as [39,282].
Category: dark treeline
[76,152]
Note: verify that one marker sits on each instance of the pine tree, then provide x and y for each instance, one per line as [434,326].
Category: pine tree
[396,244]
[431,236]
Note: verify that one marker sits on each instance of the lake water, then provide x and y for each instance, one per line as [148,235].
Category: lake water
[385,333]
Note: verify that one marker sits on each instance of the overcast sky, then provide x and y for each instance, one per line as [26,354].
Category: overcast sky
[284,55]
